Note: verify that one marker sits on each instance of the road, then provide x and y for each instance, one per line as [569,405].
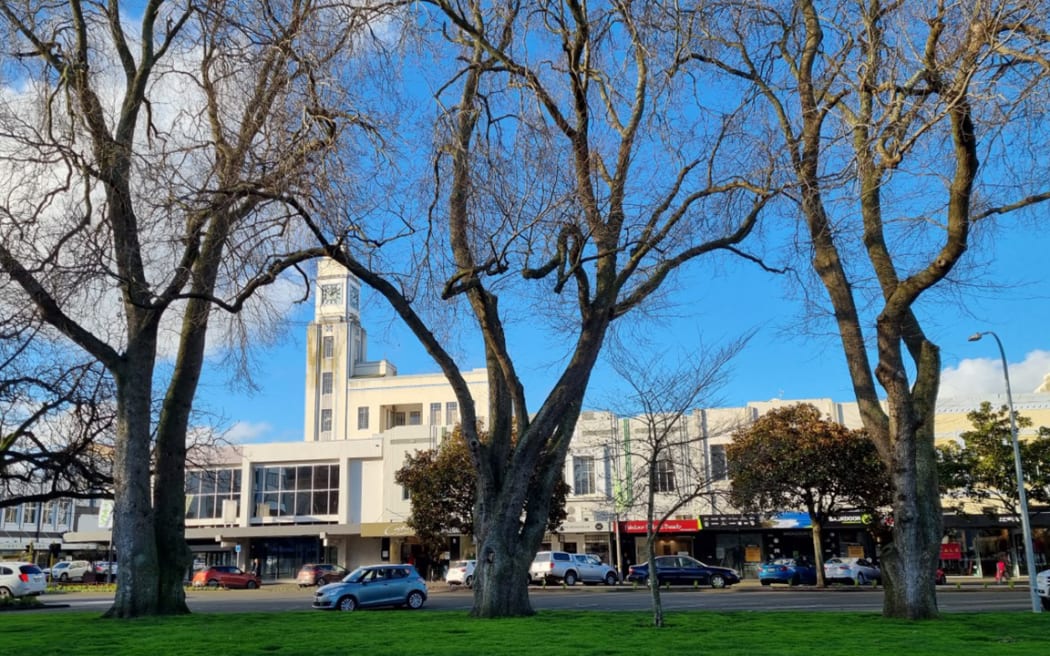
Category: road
[286,597]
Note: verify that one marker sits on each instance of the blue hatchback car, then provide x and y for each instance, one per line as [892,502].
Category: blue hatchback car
[374,585]
[787,570]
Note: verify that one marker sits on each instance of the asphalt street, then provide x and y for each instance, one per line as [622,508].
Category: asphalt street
[748,596]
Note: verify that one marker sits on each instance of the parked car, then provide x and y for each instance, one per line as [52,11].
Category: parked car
[787,570]
[374,585]
[857,571]
[461,572]
[1042,588]
[312,574]
[549,566]
[104,567]
[591,569]
[684,569]
[70,570]
[227,576]
[18,579]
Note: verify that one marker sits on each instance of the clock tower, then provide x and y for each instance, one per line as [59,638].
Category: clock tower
[336,347]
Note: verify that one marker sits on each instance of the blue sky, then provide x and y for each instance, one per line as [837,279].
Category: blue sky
[778,362]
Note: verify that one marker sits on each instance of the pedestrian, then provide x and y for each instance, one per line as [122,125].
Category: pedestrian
[256,567]
[1000,570]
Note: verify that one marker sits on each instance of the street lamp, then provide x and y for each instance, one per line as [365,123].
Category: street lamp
[1026,527]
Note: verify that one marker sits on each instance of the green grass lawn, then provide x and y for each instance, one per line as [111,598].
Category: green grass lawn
[549,633]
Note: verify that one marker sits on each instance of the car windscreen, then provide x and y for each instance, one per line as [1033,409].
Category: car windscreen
[356,575]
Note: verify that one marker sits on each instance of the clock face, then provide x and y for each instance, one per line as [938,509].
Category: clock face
[353,296]
[331,294]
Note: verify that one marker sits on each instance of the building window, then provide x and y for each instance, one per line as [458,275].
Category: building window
[664,475]
[29,513]
[327,346]
[301,490]
[583,475]
[405,496]
[11,514]
[415,418]
[398,418]
[326,382]
[719,465]
[362,417]
[435,414]
[326,421]
[206,489]
[451,413]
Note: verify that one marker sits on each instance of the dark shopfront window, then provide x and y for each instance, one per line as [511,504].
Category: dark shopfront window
[281,558]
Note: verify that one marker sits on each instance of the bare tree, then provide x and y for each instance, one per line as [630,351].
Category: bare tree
[668,463]
[882,114]
[562,174]
[150,168]
[56,420]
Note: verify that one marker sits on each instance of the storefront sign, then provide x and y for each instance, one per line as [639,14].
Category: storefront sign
[951,551]
[669,526]
[740,520]
[389,529]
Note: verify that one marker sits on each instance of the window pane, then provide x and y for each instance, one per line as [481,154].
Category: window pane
[302,503]
[320,503]
[224,484]
[305,478]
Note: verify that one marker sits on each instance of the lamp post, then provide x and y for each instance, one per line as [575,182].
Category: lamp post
[1026,527]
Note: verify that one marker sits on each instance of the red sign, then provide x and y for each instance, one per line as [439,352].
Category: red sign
[669,526]
[951,551]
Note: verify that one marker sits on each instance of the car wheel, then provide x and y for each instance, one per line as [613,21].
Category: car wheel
[794,580]
[4,593]
[611,579]
[570,578]
[213,583]
[415,600]
[347,603]
[469,582]
[718,581]
[1046,602]
[250,585]
[63,577]
[764,582]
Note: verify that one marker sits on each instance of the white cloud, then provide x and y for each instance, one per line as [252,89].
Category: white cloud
[983,377]
[247,432]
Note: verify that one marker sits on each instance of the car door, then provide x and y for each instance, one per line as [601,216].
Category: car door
[585,568]
[375,588]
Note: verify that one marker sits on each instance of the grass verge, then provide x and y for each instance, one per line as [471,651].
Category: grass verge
[549,633]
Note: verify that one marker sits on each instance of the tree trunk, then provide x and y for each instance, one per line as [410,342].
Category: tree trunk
[654,580]
[909,562]
[818,553]
[133,523]
[501,576]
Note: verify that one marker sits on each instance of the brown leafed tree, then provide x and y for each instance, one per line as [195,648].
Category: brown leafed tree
[901,127]
[563,174]
[792,458]
[148,168]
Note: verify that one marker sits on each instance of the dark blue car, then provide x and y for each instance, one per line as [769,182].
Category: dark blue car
[787,570]
[684,570]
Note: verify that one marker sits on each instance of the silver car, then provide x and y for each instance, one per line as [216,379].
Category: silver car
[18,579]
[374,585]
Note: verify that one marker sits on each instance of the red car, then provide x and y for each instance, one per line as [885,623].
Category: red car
[320,574]
[226,576]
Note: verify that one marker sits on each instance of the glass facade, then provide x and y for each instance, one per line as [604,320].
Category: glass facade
[207,488]
[295,492]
